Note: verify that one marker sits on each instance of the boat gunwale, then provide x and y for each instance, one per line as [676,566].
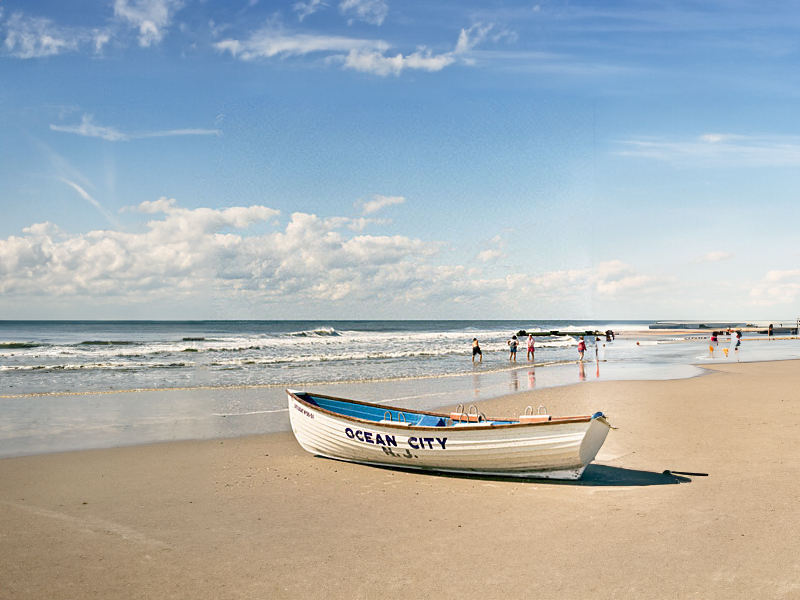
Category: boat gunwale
[397,425]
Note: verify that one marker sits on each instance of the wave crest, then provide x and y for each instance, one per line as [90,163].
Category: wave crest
[17,345]
[318,332]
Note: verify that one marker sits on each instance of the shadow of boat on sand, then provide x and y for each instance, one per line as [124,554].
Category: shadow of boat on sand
[604,475]
[594,476]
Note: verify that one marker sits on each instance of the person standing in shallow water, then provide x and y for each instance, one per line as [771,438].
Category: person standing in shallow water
[476,349]
[581,348]
[512,349]
[770,332]
[531,348]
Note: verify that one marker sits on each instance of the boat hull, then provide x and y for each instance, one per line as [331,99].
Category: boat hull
[559,450]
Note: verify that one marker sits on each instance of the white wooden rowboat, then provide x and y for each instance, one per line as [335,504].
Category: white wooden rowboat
[531,446]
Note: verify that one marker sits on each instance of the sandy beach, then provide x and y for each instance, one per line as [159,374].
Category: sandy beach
[257,517]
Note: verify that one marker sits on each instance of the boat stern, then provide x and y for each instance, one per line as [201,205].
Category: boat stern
[594,438]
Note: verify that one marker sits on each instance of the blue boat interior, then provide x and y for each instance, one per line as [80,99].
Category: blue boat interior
[379,413]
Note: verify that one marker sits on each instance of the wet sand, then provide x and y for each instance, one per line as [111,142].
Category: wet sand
[257,517]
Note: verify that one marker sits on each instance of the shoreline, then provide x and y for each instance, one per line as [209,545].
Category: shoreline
[257,516]
[41,424]
[53,423]
[660,336]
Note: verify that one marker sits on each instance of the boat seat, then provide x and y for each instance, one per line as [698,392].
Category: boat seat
[463,417]
[534,418]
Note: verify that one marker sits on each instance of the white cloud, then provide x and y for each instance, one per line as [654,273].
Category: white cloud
[36,37]
[268,43]
[89,129]
[469,38]
[360,224]
[714,257]
[216,30]
[183,252]
[184,249]
[175,252]
[304,9]
[369,11]
[613,278]
[378,64]
[489,255]
[379,202]
[366,56]
[305,265]
[495,251]
[150,17]
[777,287]
[100,40]
[715,149]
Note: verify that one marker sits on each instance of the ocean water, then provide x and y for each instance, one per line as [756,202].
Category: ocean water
[69,385]
[93,356]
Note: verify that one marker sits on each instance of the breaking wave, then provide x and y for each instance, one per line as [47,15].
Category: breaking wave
[83,356]
[106,343]
[319,332]
[19,345]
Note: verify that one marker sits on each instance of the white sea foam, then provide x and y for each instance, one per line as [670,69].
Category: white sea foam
[241,353]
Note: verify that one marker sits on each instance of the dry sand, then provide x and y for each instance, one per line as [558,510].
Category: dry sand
[258,517]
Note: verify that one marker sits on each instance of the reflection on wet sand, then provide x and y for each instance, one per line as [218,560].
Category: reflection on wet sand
[514,387]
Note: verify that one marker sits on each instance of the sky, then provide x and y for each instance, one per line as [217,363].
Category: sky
[387,159]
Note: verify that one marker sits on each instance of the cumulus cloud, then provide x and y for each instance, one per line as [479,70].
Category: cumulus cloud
[777,287]
[379,202]
[369,11]
[182,249]
[251,255]
[89,129]
[150,17]
[174,253]
[36,37]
